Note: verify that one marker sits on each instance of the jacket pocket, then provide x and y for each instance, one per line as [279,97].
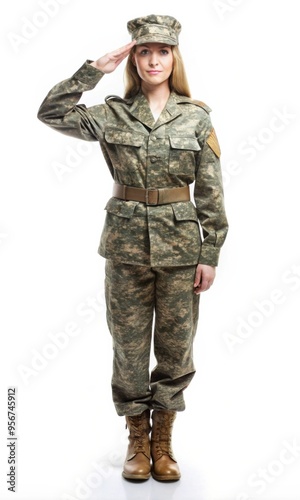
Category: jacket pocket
[124,236]
[183,152]
[124,149]
[186,233]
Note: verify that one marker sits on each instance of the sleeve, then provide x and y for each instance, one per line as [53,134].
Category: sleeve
[60,110]
[209,198]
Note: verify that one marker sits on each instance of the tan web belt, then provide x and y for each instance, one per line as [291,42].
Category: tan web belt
[160,196]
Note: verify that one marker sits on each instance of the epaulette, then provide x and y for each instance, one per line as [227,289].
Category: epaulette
[113,97]
[110,99]
[201,105]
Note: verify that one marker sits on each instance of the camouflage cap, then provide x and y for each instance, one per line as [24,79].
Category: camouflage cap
[160,29]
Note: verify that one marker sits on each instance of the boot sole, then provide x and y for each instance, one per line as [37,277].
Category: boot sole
[136,477]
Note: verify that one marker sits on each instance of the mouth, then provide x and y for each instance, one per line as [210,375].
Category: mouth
[153,72]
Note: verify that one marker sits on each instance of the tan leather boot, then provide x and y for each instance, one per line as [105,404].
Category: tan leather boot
[137,463]
[164,467]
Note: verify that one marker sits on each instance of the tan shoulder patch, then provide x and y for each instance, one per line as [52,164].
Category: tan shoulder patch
[213,143]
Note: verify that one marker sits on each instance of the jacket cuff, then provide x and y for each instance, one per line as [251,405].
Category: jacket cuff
[209,255]
[88,74]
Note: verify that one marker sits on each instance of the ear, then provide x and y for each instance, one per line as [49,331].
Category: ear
[133,59]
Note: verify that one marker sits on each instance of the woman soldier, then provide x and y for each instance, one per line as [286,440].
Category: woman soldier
[156,141]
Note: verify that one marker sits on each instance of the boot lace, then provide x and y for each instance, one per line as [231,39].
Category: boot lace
[138,433]
[164,445]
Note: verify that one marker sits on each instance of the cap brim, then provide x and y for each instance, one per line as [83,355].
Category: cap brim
[155,38]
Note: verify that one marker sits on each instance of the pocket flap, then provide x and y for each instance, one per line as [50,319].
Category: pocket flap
[116,136]
[189,143]
[185,211]
[121,208]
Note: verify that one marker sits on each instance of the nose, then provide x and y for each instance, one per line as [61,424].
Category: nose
[153,61]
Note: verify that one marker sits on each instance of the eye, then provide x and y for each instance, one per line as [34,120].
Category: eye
[144,52]
[164,52]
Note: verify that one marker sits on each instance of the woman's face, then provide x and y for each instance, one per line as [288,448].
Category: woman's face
[154,62]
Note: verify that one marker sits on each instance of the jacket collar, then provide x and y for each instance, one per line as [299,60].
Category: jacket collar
[141,111]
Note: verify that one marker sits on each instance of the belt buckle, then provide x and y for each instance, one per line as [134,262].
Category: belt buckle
[148,200]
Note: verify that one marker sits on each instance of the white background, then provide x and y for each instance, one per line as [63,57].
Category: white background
[233,441]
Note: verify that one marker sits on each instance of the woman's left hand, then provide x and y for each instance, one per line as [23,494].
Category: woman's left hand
[204,278]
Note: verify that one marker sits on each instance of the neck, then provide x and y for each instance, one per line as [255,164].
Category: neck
[156,95]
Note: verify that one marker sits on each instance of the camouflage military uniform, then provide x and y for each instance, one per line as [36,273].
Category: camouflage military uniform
[151,251]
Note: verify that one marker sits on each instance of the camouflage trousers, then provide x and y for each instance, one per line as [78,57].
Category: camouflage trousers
[147,304]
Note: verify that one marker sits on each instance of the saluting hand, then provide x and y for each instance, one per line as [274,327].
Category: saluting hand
[109,62]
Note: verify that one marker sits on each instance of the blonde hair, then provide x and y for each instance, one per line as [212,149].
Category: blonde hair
[177,81]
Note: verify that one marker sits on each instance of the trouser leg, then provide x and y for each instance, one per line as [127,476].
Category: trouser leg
[129,294]
[176,317]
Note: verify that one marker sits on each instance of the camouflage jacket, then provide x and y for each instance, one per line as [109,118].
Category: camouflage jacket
[179,149]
